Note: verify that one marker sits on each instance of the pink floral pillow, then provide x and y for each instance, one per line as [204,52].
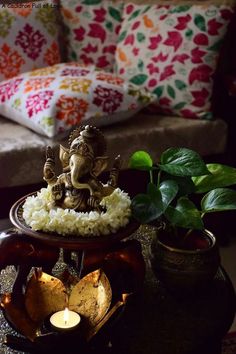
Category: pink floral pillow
[92,30]
[54,99]
[172,50]
[28,37]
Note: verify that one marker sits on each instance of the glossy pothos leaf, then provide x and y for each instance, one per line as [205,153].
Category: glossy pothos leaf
[185,215]
[219,199]
[169,190]
[221,176]
[182,162]
[145,209]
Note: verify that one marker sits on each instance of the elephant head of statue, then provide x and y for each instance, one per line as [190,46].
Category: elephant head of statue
[85,156]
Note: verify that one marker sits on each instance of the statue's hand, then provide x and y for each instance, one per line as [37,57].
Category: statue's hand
[48,170]
[58,191]
[117,163]
[49,153]
[93,202]
[113,178]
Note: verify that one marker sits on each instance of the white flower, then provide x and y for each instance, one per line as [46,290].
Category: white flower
[40,214]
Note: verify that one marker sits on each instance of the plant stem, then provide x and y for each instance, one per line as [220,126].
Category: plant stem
[151,176]
[202,214]
[187,234]
[158,179]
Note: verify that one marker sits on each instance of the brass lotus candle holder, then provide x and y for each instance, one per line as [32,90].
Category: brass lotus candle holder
[37,314]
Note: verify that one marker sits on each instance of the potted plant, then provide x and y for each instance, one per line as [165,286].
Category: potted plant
[181,191]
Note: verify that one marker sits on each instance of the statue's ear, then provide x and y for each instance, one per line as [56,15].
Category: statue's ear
[99,165]
[64,157]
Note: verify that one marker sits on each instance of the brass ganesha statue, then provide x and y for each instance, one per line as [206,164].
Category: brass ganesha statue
[78,187]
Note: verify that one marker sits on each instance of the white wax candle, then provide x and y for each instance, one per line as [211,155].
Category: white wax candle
[65,319]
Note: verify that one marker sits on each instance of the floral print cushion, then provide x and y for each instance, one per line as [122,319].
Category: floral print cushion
[92,30]
[28,37]
[172,50]
[54,99]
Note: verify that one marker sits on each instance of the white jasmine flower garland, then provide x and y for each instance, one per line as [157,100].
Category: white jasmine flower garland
[40,213]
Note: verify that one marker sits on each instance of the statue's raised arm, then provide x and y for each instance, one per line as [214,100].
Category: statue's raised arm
[48,170]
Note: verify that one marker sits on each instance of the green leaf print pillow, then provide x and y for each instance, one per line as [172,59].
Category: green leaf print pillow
[92,30]
[172,50]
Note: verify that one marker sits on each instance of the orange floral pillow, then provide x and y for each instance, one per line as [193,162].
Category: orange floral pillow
[54,99]
[28,37]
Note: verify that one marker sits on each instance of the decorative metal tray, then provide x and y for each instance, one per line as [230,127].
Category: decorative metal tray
[69,242]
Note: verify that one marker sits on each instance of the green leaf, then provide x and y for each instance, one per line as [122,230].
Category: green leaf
[134,14]
[141,160]
[221,176]
[140,64]
[146,9]
[155,195]
[180,85]
[185,215]
[91,2]
[181,8]
[159,91]
[140,37]
[109,26]
[182,162]
[185,184]
[170,91]
[169,190]
[189,34]
[200,22]
[73,55]
[115,14]
[219,199]
[122,36]
[139,79]
[144,209]
[216,47]
[179,105]
[207,116]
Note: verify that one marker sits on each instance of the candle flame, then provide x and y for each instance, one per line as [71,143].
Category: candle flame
[66,315]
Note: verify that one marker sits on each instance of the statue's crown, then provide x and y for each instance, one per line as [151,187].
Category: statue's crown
[90,136]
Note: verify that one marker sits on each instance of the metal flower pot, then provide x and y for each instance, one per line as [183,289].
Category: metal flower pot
[185,271]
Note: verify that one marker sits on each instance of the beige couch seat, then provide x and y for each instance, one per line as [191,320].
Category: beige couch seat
[22,152]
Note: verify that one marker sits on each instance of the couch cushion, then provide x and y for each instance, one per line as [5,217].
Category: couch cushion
[92,30]
[172,50]
[28,37]
[22,153]
[54,99]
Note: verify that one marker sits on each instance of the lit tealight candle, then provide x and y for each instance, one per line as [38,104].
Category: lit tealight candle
[65,320]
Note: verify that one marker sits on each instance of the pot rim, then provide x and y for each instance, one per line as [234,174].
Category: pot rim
[208,233]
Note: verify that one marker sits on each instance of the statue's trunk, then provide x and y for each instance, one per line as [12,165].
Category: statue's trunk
[76,173]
